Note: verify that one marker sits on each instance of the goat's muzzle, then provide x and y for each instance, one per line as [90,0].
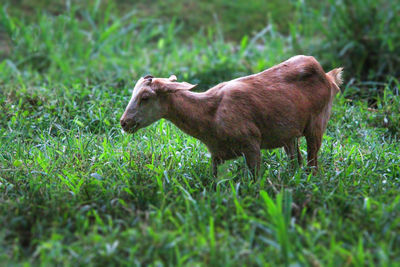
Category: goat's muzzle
[129,126]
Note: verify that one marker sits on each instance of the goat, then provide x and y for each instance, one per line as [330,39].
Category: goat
[270,109]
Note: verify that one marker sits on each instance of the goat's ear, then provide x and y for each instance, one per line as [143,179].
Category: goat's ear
[171,87]
[148,79]
[172,78]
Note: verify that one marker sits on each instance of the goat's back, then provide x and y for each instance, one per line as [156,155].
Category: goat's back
[297,75]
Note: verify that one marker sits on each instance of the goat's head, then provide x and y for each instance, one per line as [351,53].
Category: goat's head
[148,104]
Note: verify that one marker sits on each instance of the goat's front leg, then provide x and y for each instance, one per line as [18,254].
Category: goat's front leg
[299,157]
[215,162]
[253,161]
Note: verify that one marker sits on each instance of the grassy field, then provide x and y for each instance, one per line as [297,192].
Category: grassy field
[76,190]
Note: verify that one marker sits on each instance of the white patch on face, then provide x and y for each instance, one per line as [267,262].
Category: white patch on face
[135,92]
[137,88]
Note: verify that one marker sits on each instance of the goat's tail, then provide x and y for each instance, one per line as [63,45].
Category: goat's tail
[336,75]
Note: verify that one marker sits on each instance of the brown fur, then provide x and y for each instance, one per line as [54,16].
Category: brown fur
[266,110]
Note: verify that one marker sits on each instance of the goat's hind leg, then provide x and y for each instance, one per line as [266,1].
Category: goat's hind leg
[314,140]
[291,148]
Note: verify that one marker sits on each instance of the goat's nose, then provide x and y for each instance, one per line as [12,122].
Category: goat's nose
[123,123]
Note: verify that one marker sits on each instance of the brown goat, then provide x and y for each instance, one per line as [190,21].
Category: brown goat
[266,110]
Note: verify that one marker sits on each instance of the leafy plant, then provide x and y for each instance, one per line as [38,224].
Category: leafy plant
[360,35]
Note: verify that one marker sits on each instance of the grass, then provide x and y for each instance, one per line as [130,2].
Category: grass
[75,190]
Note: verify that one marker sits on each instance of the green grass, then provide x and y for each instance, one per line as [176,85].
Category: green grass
[75,190]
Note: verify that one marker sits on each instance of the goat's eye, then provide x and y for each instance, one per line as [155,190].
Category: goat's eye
[145,98]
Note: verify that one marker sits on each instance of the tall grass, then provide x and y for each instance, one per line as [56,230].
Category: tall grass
[75,190]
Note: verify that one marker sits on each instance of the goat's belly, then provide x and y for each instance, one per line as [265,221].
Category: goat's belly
[227,150]
[270,142]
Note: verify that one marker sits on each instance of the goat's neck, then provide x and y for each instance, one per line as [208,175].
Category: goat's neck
[192,112]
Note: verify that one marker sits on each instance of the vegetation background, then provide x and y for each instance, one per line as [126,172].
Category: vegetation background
[75,190]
